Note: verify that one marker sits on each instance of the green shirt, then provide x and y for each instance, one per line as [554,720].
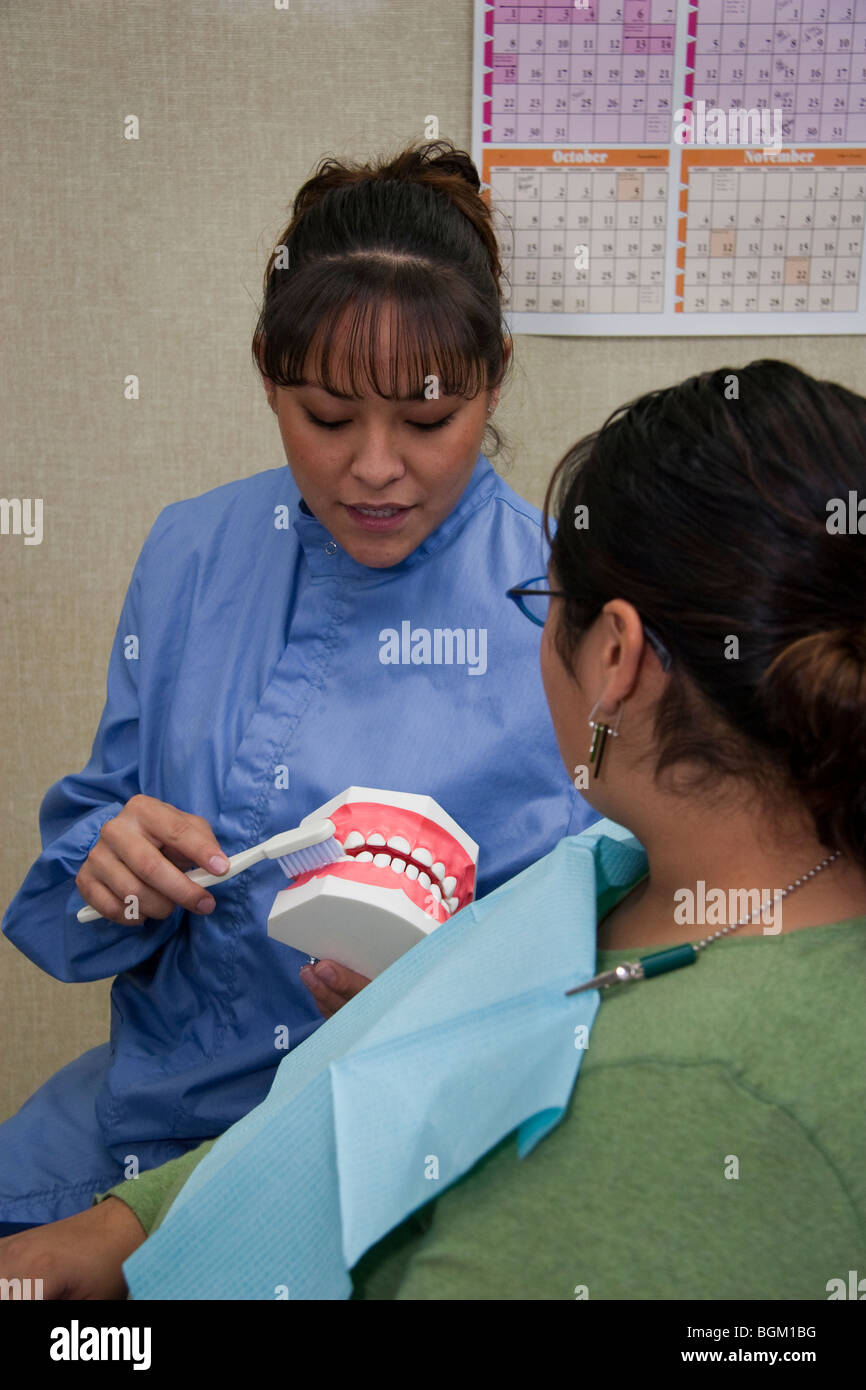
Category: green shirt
[712,1148]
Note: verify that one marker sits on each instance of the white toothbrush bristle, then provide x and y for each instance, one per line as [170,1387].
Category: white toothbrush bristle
[314,857]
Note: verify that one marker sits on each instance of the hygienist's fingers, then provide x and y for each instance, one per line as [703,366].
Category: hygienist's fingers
[103,901]
[327,1001]
[141,837]
[109,885]
[332,985]
[181,836]
[343,981]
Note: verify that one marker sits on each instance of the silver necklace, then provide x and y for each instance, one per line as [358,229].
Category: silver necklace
[660,962]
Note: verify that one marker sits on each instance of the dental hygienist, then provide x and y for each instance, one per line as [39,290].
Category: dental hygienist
[338,622]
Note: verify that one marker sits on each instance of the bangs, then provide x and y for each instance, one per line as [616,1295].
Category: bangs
[331,321]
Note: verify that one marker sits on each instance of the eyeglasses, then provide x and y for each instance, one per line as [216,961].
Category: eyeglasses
[533,603]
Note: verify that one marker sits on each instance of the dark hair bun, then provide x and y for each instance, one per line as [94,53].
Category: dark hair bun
[441,156]
[814,699]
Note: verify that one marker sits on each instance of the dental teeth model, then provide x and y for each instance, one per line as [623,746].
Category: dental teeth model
[406,868]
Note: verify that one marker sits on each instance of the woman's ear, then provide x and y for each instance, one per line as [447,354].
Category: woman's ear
[623,642]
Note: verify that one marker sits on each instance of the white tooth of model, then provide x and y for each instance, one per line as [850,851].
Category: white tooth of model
[365,925]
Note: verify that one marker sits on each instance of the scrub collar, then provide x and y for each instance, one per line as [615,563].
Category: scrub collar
[327,559]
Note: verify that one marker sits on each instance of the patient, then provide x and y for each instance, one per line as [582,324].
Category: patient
[704,660]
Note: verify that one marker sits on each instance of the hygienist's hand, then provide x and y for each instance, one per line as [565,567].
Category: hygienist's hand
[332,985]
[140,854]
[79,1257]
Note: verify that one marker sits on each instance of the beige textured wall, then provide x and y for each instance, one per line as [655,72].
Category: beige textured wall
[146,257]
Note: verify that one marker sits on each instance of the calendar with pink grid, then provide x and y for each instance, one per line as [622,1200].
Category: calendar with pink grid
[806,58]
[600,73]
[612,220]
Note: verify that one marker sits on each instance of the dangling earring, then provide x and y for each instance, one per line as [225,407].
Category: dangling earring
[600,731]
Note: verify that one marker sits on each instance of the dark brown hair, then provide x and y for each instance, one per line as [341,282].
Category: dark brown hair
[412,232]
[708,511]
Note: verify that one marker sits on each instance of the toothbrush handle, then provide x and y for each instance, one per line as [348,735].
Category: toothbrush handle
[237,864]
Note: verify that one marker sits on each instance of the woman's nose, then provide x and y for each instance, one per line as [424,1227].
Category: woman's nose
[377,461]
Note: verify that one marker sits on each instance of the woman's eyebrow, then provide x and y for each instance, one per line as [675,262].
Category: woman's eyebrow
[342,396]
[339,395]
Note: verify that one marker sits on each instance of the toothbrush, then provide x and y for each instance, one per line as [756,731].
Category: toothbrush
[296,851]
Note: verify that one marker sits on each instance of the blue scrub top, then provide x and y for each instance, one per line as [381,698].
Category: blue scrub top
[249,654]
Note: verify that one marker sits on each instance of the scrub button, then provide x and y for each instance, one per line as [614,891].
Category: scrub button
[330,548]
